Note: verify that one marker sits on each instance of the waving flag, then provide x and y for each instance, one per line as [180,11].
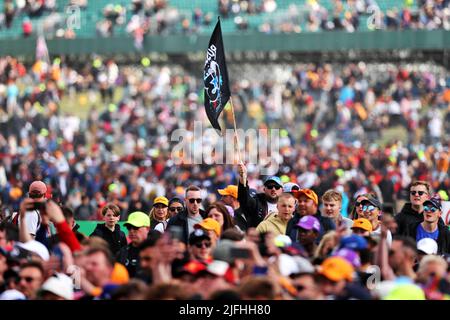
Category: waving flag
[215,77]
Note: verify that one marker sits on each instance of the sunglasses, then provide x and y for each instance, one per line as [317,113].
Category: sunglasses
[177,209]
[272,186]
[203,245]
[159,206]
[430,209]
[27,279]
[368,208]
[131,228]
[192,200]
[420,193]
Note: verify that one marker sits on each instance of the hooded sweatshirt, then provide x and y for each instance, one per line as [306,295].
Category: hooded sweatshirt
[116,239]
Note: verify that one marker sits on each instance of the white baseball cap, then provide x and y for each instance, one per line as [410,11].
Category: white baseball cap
[287,187]
[60,285]
[12,294]
[427,245]
[35,247]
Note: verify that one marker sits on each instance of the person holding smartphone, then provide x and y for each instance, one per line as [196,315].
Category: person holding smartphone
[31,206]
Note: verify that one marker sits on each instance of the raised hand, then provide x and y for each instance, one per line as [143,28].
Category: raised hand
[242,170]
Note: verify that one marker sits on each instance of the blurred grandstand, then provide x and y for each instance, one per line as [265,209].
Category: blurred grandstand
[360,88]
[106,17]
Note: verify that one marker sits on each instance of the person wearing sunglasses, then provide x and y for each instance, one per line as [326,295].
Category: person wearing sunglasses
[138,225]
[357,209]
[412,212]
[258,207]
[371,209]
[200,246]
[430,227]
[176,206]
[31,278]
[159,212]
[192,215]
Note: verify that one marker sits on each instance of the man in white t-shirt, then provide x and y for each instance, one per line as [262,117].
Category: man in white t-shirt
[36,194]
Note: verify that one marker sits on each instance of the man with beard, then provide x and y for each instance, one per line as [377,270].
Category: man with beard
[257,208]
[307,205]
[192,214]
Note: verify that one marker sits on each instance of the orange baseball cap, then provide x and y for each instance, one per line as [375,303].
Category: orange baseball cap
[308,193]
[337,269]
[362,223]
[120,274]
[229,191]
[209,224]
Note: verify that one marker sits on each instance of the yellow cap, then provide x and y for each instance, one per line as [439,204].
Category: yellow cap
[209,224]
[138,219]
[362,223]
[162,200]
[229,191]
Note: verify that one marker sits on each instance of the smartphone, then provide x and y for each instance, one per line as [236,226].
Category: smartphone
[38,206]
[239,253]
[176,232]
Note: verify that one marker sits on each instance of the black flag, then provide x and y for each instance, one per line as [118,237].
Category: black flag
[215,77]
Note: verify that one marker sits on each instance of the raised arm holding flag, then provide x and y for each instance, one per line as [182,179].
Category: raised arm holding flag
[215,77]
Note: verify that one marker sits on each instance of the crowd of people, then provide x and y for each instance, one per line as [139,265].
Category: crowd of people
[142,17]
[284,243]
[331,119]
[345,217]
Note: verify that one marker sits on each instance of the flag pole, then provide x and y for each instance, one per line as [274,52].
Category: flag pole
[236,137]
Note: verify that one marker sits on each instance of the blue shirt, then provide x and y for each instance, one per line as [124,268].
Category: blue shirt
[422,233]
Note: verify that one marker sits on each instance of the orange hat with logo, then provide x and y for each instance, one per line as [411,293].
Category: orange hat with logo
[229,191]
[209,224]
[308,193]
[362,223]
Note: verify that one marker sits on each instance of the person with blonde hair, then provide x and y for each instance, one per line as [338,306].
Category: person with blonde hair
[332,205]
[159,213]
[326,246]
[277,222]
